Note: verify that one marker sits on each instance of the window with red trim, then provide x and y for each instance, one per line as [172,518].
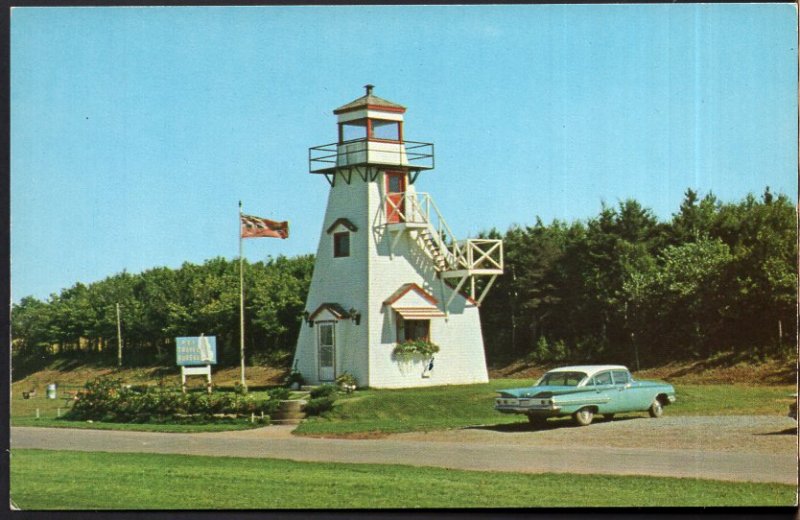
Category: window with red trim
[379,129]
[387,130]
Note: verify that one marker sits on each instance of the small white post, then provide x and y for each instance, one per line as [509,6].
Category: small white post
[252,417]
[37,413]
[58,412]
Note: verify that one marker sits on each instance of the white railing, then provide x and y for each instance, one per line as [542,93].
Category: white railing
[482,253]
[460,255]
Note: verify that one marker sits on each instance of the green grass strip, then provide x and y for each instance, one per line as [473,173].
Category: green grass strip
[221,426]
[444,407]
[42,479]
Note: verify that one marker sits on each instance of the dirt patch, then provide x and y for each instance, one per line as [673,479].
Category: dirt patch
[517,370]
[68,376]
[724,369]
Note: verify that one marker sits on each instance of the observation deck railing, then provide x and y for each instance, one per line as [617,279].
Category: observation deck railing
[411,155]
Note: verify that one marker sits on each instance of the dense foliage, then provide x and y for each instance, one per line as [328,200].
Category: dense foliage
[624,287]
[621,286]
[107,399]
[160,304]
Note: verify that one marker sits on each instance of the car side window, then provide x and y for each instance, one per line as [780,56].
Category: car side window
[603,378]
[621,377]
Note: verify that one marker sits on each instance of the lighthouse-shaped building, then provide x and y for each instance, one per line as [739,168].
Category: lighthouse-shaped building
[388,268]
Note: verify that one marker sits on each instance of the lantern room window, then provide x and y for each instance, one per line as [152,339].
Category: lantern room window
[353,130]
[378,129]
[387,130]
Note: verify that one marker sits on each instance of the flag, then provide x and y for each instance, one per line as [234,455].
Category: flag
[255,227]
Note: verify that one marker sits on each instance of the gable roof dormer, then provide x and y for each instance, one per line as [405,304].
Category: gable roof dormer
[344,222]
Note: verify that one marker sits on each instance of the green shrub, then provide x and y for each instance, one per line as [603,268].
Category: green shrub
[323,391]
[347,382]
[107,400]
[96,400]
[279,394]
[294,377]
[319,405]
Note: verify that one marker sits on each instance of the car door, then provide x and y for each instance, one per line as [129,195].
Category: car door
[639,397]
[603,387]
[626,397]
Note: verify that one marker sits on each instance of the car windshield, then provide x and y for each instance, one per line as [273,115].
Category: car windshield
[561,379]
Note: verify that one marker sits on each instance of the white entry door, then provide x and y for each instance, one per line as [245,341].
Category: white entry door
[326,351]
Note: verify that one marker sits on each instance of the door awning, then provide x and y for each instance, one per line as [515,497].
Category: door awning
[328,311]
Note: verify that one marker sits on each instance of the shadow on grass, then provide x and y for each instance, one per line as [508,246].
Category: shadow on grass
[554,424]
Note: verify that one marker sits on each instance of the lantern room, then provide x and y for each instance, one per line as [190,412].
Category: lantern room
[370,133]
[370,118]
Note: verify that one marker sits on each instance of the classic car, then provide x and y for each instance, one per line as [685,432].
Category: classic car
[583,392]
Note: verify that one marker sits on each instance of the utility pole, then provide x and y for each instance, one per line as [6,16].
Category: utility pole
[119,339]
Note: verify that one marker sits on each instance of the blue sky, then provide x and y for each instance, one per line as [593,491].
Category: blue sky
[136,131]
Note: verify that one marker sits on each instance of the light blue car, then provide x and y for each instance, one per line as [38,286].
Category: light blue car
[585,391]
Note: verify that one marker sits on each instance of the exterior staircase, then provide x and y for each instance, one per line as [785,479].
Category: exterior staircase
[461,260]
[433,250]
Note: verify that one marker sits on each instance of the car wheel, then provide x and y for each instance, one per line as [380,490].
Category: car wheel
[608,416]
[583,417]
[537,422]
[656,410]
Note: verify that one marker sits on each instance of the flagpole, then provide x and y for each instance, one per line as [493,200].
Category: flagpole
[241,298]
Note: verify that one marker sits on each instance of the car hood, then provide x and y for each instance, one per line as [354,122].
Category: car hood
[537,391]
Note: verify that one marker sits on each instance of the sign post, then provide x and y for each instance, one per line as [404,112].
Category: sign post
[195,355]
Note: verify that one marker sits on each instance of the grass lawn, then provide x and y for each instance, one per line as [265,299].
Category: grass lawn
[43,479]
[240,424]
[426,409]
[708,399]
[444,407]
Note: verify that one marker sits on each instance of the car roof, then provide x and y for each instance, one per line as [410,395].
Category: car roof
[589,370]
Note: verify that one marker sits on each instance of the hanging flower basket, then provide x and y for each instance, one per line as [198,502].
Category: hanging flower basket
[418,349]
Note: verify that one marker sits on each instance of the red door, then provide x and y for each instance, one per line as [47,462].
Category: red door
[395,191]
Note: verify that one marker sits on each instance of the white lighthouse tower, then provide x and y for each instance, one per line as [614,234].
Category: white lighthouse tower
[388,269]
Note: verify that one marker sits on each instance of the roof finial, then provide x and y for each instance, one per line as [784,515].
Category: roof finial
[369,88]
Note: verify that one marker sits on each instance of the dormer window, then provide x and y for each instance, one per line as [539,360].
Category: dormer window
[341,229]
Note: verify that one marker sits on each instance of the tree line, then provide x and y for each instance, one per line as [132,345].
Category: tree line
[619,287]
[160,304]
[624,287]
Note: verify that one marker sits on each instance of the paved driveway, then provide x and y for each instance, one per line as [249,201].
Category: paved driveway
[765,449]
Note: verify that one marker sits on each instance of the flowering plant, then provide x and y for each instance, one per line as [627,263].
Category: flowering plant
[409,349]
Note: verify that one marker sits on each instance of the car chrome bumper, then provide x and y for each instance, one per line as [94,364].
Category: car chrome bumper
[527,408]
